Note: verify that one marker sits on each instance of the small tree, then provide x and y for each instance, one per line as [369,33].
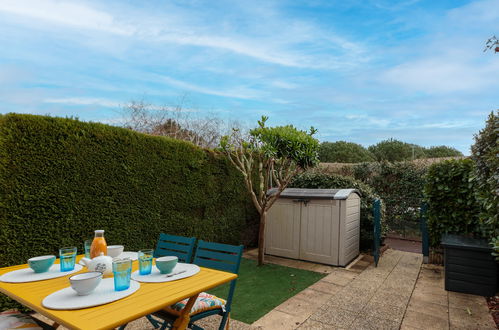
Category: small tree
[270,156]
[396,151]
[442,151]
[344,152]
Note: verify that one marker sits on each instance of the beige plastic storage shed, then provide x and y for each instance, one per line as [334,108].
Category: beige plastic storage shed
[320,225]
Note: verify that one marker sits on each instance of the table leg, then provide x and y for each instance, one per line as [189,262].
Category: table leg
[183,320]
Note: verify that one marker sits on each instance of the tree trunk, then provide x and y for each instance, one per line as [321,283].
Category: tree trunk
[261,237]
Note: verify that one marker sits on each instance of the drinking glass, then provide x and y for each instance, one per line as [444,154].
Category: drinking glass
[122,269]
[67,258]
[87,244]
[145,261]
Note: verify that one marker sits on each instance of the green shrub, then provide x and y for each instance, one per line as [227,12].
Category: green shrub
[343,152]
[452,204]
[485,153]
[61,178]
[396,151]
[442,151]
[318,180]
[400,185]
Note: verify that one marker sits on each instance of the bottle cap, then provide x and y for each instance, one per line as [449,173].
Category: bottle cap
[100,231]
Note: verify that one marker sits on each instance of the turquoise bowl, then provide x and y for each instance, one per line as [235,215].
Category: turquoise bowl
[41,264]
[166,264]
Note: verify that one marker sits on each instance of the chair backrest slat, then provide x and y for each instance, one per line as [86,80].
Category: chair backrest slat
[215,265]
[172,245]
[218,256]
[220,247]
[210,254]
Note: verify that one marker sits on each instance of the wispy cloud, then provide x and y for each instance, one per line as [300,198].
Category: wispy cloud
[282,49]
[239,92]
[84,101]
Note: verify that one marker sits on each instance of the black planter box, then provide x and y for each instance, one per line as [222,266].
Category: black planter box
[469,266]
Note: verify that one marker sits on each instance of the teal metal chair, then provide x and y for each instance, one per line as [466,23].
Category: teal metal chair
[216,256]
[172,245]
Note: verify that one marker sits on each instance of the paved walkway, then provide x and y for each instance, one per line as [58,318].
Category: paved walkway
[398,294]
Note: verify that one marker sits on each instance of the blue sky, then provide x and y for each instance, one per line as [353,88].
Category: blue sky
[360,71]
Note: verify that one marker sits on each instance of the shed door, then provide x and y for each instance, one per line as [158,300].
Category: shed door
[282,232]
[319,231]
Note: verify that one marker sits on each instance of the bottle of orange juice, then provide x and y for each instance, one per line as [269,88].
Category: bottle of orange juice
[98,244]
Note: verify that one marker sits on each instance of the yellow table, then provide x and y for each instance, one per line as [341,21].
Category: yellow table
[151,297]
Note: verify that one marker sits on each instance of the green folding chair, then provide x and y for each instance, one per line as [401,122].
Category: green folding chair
[216,256]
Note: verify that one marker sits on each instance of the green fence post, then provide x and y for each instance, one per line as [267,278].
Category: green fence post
[377,230]
[424,232]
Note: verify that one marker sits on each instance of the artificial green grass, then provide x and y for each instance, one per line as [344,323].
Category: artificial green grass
[260,289]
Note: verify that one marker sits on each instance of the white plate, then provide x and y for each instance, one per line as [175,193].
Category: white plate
[103,294]
[126,254]
[28,275]
[156,276]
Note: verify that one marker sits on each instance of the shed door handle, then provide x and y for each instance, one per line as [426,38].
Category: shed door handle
[305,201]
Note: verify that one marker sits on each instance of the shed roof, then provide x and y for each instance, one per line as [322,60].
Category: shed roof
[315,193]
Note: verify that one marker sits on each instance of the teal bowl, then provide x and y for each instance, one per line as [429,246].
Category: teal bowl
[166,264]
[41,264]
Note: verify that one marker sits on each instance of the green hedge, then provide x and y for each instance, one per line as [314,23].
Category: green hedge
[452,204]
[400,185]
[61,178]
[316,180]
[485,153]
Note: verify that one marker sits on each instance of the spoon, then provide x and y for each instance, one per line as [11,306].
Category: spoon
[177,273]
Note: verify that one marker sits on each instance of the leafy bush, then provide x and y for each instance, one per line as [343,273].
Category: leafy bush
[318,180]
[442,151]
[485,153]
[400,185]
[452,204]
[343,152]
[395,151]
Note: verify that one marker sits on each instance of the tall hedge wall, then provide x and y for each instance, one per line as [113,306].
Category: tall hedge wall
[61,178]
[452,204]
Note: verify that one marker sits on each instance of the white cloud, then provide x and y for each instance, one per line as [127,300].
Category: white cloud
[238,92]
[447,74]
[286,47]
[71,14]
[84,101]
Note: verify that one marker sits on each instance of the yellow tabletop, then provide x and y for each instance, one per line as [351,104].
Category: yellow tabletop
[151,297]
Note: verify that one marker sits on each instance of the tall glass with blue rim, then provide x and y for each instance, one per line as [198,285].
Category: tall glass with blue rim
[122,270]
[67,258]
[145,261]
[87,244]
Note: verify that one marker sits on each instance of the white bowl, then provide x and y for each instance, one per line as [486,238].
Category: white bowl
[85,283]
[115,250]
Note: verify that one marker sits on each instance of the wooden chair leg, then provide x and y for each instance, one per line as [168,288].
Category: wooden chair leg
[183,320]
